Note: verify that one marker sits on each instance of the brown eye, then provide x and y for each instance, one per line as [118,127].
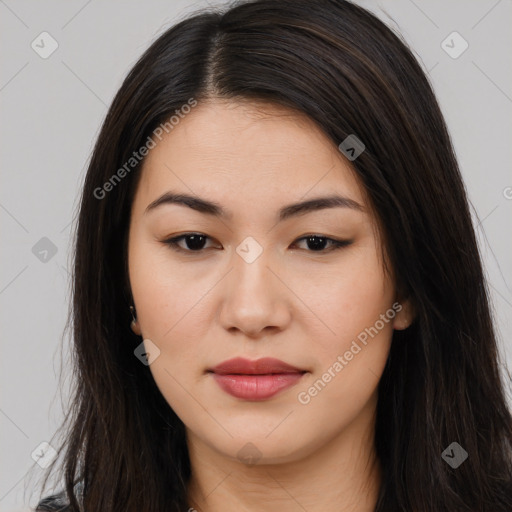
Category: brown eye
[194,242]
[318,243]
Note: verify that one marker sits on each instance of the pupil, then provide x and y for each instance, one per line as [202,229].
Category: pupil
[318,245]
[194,243]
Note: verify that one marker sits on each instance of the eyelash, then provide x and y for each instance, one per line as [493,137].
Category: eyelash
[335,244]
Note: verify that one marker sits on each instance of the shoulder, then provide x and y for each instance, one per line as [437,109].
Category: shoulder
[54,503]
[59,502]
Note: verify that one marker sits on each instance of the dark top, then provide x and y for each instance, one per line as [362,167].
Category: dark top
[54,503]
[58,502]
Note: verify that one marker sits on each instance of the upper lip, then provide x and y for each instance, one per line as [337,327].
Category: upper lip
[262,366]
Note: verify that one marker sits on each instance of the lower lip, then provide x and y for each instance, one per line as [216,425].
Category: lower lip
[256,387]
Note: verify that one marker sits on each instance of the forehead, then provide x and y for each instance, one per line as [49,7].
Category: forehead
[244,152]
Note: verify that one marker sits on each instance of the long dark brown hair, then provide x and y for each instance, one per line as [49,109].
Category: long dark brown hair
[124,447]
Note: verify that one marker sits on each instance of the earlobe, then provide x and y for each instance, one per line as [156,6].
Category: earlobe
[404,317]
[136,328]
[135,324]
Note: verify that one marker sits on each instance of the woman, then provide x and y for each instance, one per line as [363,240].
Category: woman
[278,297]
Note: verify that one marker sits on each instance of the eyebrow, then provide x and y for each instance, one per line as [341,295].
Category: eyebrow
[214,209]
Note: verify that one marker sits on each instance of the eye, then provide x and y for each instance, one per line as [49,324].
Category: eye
[195,243]
[317,243]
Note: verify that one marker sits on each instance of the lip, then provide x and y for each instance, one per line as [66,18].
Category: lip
[255,380]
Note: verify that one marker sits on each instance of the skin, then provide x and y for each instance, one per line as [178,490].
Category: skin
[293,303]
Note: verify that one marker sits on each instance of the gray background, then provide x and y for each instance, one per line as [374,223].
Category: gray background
[51,112]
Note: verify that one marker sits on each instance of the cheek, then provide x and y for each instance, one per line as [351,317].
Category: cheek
[174,309]
[171,310]
[168,295]
[348,298]
[349,363]
[353,340]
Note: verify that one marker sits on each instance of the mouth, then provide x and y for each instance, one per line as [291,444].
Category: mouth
[255,380]
[263,366]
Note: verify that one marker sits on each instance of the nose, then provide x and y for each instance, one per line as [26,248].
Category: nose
[254,299]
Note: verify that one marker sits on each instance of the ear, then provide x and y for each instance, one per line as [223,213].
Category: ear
[405,314]
[136,327]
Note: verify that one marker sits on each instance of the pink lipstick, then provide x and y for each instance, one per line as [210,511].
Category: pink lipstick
[255,380]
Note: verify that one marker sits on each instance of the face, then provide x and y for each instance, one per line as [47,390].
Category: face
[252,277]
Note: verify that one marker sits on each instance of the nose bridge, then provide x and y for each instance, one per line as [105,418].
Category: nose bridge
[250,273]
[253,300]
